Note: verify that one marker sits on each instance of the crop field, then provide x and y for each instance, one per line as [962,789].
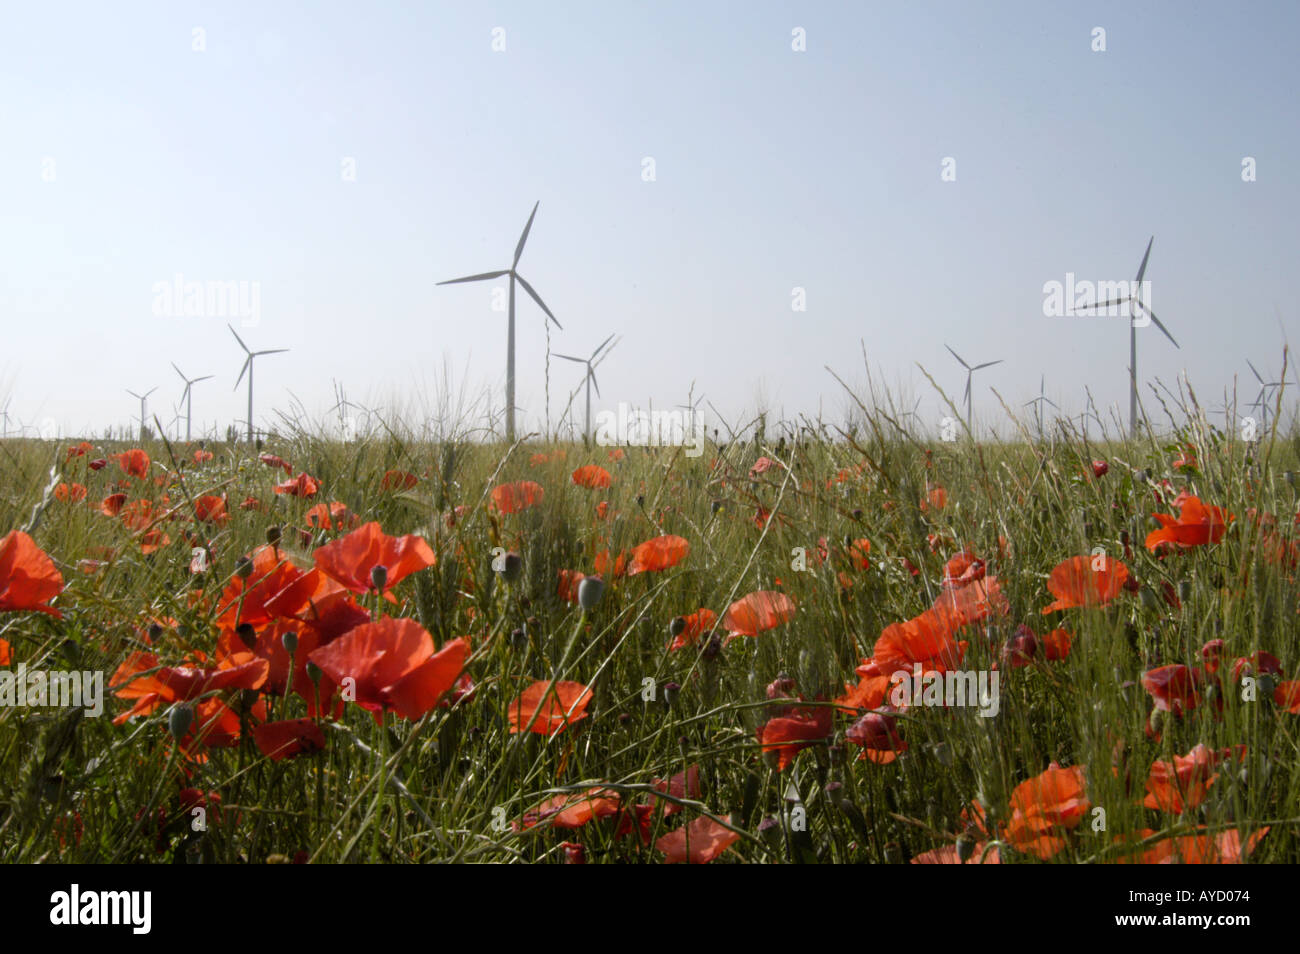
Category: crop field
[858,645]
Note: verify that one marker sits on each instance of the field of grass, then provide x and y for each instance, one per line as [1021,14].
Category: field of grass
[1089,755]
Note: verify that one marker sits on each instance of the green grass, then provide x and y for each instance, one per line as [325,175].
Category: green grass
[455,775]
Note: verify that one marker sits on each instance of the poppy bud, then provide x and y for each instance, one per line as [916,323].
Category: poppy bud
[640,500]
[893,853]
[1184,590]
[378,576]
[1149,600]
[677,626]
[155,632]
[179,721]
[589,591]
[769,829]
[965,846]
[670,693]
[518,639]
[715,506]
[624,718]
[712,648]
[314,672]
[574,853]
[247,635]
[511,566]
[857,513]
[1157,721]
[290,642]
[243,568]
[273,534]
[1267,684]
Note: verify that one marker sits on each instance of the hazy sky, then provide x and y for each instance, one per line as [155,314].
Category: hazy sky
[128,157]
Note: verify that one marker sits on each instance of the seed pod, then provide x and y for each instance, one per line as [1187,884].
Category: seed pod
[179,721]
[273,534]
[590,591]
[379,576]
[290,642]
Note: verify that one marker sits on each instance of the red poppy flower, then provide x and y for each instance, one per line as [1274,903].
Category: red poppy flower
[877,735]
[758,612]
[512,498]
[1085,581]
[658,554]
[284,740]
[70,492]
[270,460]
[1044,806]
[601,567]
[616,454]
[685,784]
[211,509]
[6,653]
[572,810]
[1225,848]
[350,559]
[112,505]
[28,577]
[697,843]
[304,485]
[696,624]
[592,477]
[1056,645]
[1185,782]
[244,600]
[1100,468]
[1196,525]
[1258,663]
[936,498]
[761,466]
[391,665]
[398,480]
[537,711]
[1174,688]
[568,588]
[202,456]
[184,683]
[1287,696]
[134,463]
[925,639]
[335,516]
[786,735]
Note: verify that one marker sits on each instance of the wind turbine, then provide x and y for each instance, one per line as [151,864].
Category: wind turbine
[691,408]
[1134,299]
[1261,400]
[970,373]
[510,332]
[4,413]
[1038,403]
[248,366]
[142,400]
[187,397]
[590,376]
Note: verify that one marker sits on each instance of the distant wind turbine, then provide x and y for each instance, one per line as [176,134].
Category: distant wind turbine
[1038,403]
[187,396]
[1134,299]
[970,373]
[510,332]
[4,413]
[590,376]
[142,398]
[248,366]
[1261,400]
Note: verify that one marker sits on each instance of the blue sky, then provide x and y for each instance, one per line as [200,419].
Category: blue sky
[774,169]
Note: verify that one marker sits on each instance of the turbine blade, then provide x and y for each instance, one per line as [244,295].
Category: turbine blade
[272,351]
[568,357]
[988,364]
[239,339]
[476,278]
[1108,304]
[1142,270]
[538,298]
[966,396]
[247,362]
[592,374]
[958,357]
[178,371]
[204,378]
[519,249]
[1161,325]
[602,344]
[1257,374]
